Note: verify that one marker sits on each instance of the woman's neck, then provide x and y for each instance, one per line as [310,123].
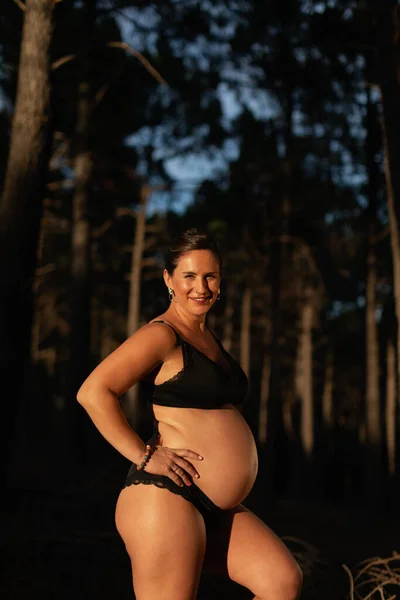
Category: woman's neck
[197,324]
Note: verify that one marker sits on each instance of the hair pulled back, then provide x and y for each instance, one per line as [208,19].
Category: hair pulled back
[191,239]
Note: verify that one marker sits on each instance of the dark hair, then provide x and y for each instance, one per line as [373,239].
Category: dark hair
[191,239]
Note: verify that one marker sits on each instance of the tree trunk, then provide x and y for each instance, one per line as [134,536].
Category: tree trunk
[394,241]
[78,368]
[245,332]
[373,420]
[275,455]
[327,396]
[21,205]
[373,417]
[227,337]
[264,388]
[130,403]
[79,305]
[391,407]
[389,70]
[303,376]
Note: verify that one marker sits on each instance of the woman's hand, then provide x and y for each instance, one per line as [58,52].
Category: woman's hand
[172,463]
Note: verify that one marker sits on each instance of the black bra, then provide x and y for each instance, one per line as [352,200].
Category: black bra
[202,383]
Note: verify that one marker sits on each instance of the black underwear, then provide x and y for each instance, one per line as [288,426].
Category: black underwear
[191,493]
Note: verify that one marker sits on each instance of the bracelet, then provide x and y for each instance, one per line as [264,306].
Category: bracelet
[149,451]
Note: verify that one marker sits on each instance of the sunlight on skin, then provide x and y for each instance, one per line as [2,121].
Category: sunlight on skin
[195,283]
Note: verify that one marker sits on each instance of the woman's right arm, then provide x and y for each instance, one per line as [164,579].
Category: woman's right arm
[128,364]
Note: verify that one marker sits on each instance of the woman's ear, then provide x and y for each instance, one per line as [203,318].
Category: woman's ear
[167,278]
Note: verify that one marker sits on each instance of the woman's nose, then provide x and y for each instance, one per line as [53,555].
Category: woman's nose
[201,286]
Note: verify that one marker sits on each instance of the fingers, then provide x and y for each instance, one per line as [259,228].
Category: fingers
[174,476]
[178,469]
[187,466]
[188,454]
[179,476]
[184,466]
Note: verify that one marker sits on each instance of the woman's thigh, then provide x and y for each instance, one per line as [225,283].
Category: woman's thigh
[241,546]
[165,537]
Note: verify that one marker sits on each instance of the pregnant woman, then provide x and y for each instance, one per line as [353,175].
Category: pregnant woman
[180,507]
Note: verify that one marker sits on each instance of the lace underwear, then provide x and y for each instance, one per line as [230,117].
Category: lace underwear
[191,493]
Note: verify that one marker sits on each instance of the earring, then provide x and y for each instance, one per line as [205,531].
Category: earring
[170,294]
[218,295]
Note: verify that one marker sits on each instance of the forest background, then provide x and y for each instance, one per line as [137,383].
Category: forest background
[275,126]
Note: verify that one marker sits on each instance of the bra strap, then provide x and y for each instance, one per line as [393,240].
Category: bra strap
[178,337]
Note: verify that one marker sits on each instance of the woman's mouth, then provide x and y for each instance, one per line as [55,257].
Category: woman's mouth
[201,300]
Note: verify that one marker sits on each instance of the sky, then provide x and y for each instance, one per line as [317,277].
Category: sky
[190,170]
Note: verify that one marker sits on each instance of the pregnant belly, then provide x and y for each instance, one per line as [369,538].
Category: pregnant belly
[229,466]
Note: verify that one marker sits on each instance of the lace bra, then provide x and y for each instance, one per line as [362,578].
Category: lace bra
[202,382]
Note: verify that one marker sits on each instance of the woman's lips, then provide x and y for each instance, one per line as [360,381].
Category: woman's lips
[200,300]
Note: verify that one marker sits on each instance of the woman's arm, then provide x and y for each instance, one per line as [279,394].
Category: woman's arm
[128,364]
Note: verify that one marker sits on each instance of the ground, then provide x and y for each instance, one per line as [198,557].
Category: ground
[59,546]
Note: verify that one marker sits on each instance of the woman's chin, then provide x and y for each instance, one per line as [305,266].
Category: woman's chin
[199,308]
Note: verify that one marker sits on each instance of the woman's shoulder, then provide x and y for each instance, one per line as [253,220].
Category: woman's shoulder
[162,323]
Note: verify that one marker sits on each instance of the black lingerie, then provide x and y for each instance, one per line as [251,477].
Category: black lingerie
[191,493]
[202,383]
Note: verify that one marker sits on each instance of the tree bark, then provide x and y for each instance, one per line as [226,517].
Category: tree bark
[131,401]
[21,205]
[373,416]
[389,71]
[303,376]
[390,412]
[79,304]
[276,444]
[373,419]
[227,336]
[78,368]
[327,396]
[264,388]
[245,335]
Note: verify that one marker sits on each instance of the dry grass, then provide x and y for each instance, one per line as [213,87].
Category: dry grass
[323,577]
[375,579]
[372,579]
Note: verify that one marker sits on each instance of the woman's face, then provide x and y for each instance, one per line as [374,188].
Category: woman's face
[195,281]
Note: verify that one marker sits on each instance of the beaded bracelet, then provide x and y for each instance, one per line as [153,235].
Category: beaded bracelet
[149,451]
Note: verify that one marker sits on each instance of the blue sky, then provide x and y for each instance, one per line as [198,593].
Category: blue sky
[190,170]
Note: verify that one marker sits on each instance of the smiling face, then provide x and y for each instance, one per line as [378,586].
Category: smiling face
[195,281]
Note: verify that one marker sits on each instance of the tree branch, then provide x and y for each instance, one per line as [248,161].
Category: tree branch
[103,90]
[150,241]
[58,185]
[58,153]
[61,61]
[121,212]
[150,262]
[20,4]
[141,59]
[49,268]
[102,230]
[382,235]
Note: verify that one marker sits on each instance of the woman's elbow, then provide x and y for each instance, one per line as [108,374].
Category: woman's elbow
[92,392]
[81,396]
[85,392]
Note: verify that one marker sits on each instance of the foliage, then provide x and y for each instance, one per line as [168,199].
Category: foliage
[273,99]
